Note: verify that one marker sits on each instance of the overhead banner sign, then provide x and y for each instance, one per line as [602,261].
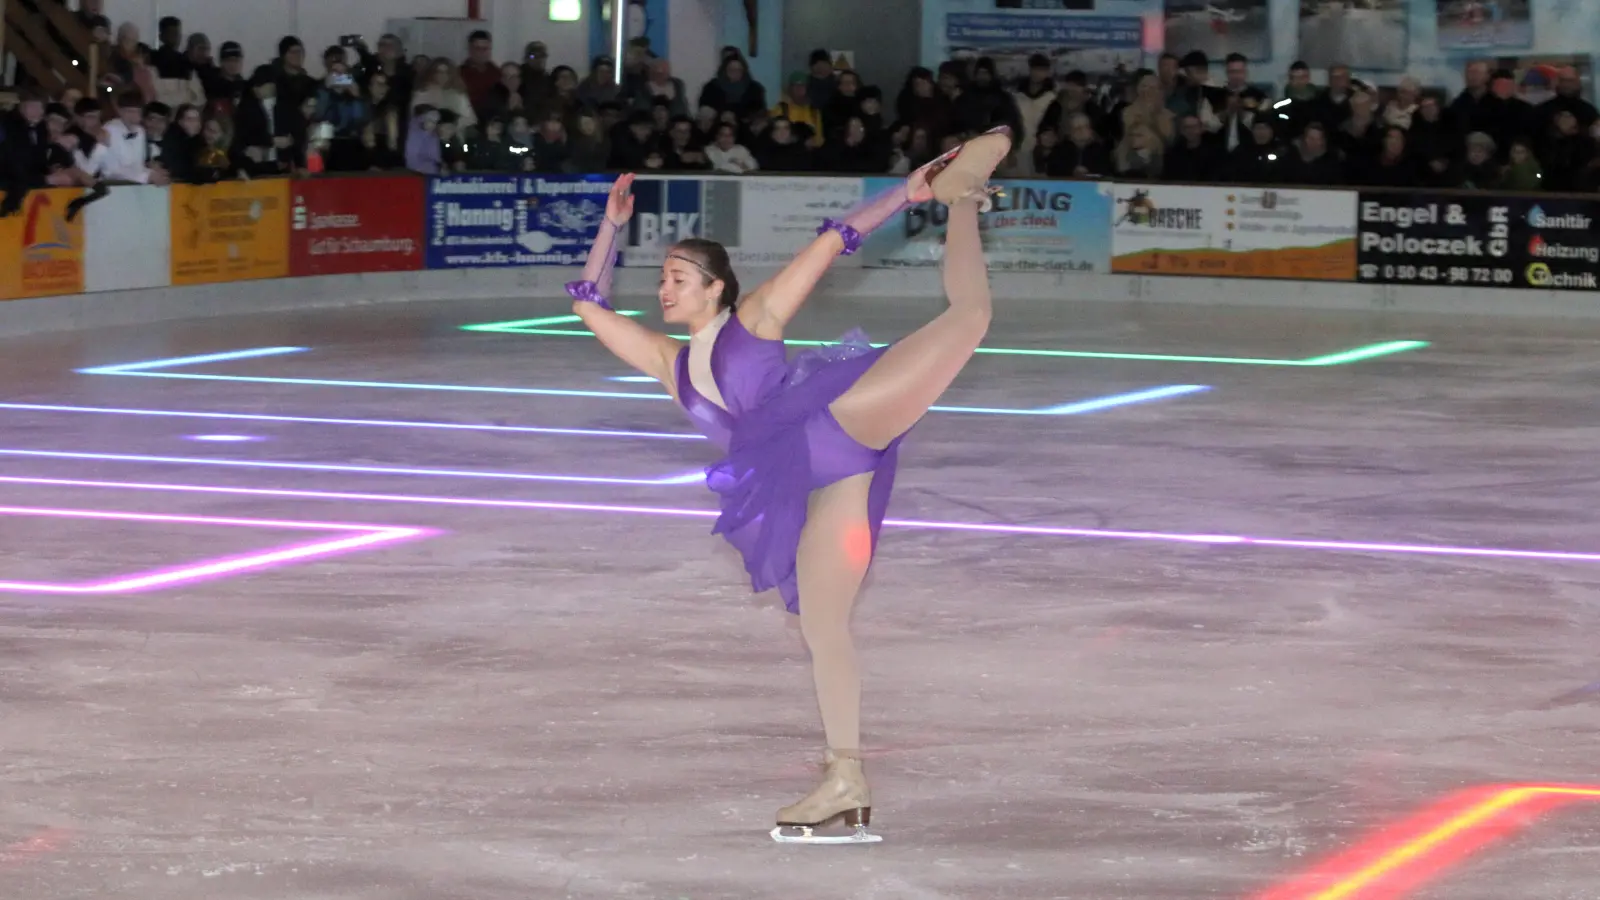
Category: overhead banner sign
[1103,37]
[230,231]
[1234,232]
[492,221]
[1420,238]
[1033,226]
[42,250]
[345,226]
[986,29]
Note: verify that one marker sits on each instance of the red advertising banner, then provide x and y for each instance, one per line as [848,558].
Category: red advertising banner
[346,226]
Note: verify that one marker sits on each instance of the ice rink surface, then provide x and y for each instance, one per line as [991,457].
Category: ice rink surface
[412,622]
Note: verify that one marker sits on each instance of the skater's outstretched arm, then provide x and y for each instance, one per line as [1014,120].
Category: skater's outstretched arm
[648,351]
[770,307]
[766,311]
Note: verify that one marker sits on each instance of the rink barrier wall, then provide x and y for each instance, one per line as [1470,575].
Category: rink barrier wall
[364,239]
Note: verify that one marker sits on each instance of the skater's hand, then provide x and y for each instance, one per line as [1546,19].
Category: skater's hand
[619,206]
[917,188]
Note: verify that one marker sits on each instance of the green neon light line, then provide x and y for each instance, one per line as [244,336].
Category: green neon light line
[1342,358]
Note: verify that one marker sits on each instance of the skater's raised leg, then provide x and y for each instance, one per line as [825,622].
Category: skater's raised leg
[911,375]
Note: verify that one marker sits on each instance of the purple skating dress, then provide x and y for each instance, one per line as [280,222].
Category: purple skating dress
[781,444]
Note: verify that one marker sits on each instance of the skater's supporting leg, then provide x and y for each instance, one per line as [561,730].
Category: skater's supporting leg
[911,375]
[831,562]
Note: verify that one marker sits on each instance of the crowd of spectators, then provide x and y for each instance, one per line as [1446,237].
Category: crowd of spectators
[185,111]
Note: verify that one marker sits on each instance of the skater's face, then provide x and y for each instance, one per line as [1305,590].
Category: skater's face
[684,294]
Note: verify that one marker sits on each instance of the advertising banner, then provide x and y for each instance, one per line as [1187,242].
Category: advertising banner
[1234,232]
[1034,226]
[667,210]
[1099,38]
[42,251]
[488,221]
[1422,238]
[1556,243]
[346,226]
[779,216]
[121,253]
[230,231]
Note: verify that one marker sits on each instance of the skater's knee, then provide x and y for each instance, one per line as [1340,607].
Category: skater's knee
[826,631]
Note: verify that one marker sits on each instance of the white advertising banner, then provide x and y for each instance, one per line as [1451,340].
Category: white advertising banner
[1234,232]
[762,221]
[128,240]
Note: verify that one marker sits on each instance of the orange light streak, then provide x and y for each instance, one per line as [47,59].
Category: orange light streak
[1399,858]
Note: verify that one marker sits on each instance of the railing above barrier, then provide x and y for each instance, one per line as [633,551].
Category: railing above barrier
[141,237]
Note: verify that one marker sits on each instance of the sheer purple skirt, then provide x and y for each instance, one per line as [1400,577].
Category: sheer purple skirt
[787,447]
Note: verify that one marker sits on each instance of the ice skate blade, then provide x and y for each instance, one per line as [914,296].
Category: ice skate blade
[806,836]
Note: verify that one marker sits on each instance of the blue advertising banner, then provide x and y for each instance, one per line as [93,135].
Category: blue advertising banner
[667,210]
[1079,32]
[486,221]
[1035,226]
[1098,37]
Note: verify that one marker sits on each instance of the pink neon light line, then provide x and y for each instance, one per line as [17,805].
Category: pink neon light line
[366,536]
[1041,530]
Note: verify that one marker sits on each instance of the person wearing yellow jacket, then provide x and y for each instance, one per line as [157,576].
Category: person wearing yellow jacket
[806,118]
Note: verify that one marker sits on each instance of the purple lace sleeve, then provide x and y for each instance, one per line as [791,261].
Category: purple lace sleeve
[595,286]
[866,217]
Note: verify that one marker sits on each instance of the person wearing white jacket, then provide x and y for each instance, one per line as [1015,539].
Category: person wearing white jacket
[127,146]
[1033,95]
[729,156]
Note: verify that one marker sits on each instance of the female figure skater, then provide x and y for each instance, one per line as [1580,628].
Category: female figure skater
[811,444]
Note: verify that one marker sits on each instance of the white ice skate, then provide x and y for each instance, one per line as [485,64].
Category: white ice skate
[843,795]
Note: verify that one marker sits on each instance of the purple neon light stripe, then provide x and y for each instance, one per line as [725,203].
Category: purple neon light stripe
[685,478]
[366,536]
[1041,530]
[183,520]
[373,423]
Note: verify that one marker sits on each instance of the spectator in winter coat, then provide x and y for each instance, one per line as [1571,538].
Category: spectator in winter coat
[424,154]
[805,119]
[781,149]
[1196,158]
[734,90]
[1035,94]
[661,85]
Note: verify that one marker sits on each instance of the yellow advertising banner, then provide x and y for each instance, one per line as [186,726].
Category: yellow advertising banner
[47,248]
[230,231]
